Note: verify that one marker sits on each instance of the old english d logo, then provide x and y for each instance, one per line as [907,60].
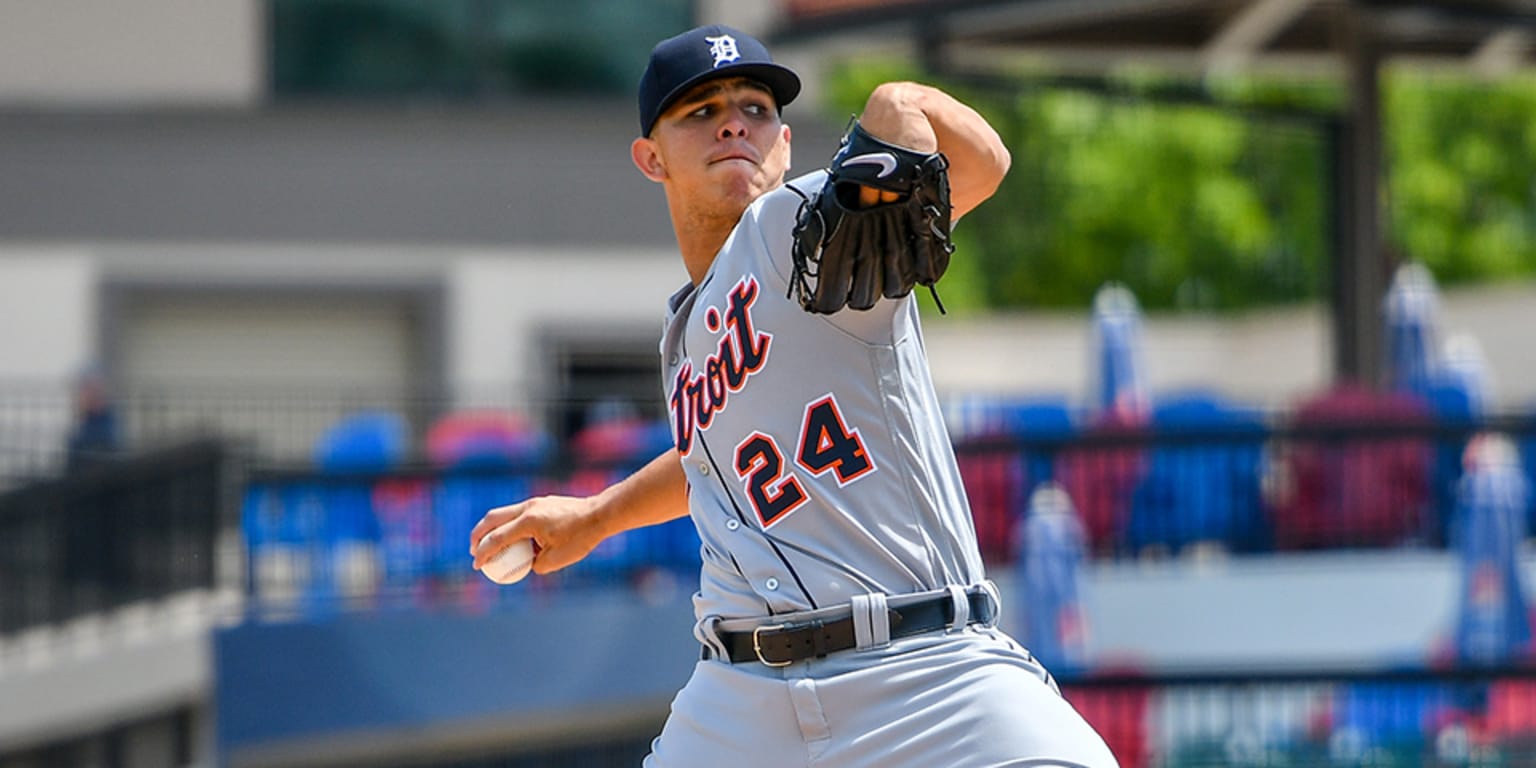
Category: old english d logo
[723,49]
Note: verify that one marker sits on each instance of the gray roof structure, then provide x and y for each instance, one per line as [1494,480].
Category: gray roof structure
[1198,33]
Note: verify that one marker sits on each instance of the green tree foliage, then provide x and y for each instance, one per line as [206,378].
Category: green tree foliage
[1462,177]
[1225,205]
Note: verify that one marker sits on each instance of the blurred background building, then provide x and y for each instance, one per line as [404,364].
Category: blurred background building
[294,290]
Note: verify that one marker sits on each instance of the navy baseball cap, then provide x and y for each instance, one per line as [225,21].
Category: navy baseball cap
[704,53]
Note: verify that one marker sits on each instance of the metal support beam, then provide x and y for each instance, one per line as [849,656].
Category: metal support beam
[1250,32]
[1360,265]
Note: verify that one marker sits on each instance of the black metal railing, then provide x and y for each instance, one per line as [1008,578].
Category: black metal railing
[111,534]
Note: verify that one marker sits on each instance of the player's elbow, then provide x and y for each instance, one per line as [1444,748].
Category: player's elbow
[1004,160]
[995,164]
[979,179]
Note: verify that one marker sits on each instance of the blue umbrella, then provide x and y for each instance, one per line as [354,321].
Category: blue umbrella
[1459,394]
[1492,625]
[1052,547]
[1119,383]
[1463,375]
[972,414]
[1412,314]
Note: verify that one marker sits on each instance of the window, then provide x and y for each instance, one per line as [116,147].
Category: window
[598,378]
[474,49]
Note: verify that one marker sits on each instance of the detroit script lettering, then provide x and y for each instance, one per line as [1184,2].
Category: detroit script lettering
[699,393]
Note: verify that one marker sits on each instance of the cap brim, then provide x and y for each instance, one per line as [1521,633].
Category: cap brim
[781,80]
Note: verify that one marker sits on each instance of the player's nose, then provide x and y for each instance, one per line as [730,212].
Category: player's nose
[734,127]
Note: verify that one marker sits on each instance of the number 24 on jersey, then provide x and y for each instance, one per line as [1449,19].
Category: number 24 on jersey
[826,444]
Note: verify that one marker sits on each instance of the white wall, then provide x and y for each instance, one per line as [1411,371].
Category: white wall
[1330,608]
[102,670]
[501,302]
[1268,357]
[48,313]
[116,53]
[1502,318]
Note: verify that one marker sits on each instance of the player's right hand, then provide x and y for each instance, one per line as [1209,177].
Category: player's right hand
[560,526]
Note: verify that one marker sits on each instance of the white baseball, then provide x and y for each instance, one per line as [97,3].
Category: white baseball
[509,565]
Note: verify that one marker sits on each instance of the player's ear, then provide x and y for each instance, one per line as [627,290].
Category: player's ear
[788,148]
[646,157]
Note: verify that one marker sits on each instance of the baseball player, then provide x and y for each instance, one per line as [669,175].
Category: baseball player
[843,613]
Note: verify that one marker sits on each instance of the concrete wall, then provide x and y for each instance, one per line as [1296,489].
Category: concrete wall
[105,670]
[1350,609]
[47,306]
[1268,357]
[107,53]
[503,303]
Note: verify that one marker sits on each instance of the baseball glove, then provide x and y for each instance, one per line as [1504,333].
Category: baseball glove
[846,255]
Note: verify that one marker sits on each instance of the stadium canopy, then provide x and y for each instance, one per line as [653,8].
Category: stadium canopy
[1087,40]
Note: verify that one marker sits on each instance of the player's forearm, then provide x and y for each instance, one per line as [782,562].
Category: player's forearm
[656,493]
[927,119]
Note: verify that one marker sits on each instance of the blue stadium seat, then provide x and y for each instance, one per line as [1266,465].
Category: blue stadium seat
[349,456]
[998,483]
[607,451]
[487,459]
[407,539]
[285,525]
[1207,493]
[360,444]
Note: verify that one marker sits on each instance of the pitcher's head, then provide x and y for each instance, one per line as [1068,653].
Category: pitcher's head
[679,63]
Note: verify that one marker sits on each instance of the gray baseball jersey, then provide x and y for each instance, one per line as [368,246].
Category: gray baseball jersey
[820,471]
[817,458]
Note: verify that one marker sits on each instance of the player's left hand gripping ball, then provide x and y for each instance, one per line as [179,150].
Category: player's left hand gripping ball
[850,255]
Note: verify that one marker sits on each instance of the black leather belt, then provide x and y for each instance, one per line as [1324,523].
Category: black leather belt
[779,645]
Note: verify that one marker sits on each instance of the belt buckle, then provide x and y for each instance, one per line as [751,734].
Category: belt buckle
[757,644]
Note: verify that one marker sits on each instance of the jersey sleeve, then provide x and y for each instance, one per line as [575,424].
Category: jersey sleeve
[775,214]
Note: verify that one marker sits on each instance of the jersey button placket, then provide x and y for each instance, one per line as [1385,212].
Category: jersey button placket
[771,583]
[704,468]
[731,525]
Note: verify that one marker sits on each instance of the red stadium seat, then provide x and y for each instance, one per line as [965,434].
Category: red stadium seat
[1356,491]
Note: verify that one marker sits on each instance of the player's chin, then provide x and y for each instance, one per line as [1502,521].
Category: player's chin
[740,189]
